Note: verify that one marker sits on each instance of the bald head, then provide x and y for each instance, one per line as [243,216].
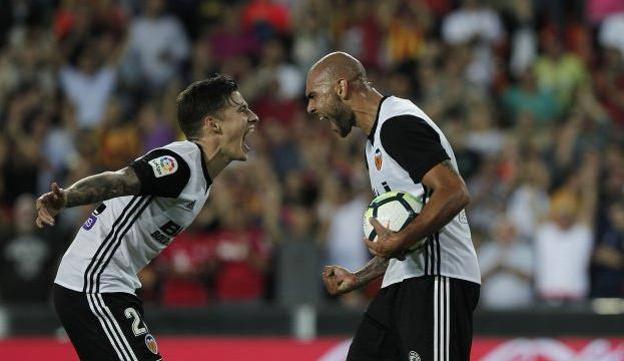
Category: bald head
[338,65]
[336,88]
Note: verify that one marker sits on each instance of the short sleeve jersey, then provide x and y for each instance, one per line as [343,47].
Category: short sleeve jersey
[402,147]
[124,234]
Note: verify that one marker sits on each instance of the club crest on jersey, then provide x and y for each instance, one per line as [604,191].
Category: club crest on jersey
[163,165]
[378,159]
[150,342]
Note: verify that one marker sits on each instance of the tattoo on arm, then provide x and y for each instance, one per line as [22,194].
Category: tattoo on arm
[103,186]
[373,269]
[447,163]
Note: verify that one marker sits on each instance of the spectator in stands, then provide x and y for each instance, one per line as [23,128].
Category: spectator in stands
[563,244]
[24,161]
[343,241]
[409,24]
[229,40]
[526,97]
[274,68]
[598,10]
[360,33]
[119,140]
[266,18]
[158,45]
[28,258]
[480,26]
[298,250]
[559,71]
[523,37]
[610,35]
[483,135]
[88,83]
[311,37]
[241,253]
[528,203]
[609,255]
[155,131]
[186,267]
[609,84]
[203,62]
[506,263]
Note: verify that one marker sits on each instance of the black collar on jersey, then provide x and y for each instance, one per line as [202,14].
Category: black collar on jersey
[371,135]
[204,169]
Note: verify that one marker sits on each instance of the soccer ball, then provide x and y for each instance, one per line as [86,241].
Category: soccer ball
[394,210]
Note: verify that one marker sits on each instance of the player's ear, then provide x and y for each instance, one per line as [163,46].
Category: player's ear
[342,88]
[212,124]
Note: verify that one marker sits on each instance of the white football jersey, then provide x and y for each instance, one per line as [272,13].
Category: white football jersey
[124,234]
[403,146]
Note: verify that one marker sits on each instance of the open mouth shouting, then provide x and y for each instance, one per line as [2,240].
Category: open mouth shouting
[245,143]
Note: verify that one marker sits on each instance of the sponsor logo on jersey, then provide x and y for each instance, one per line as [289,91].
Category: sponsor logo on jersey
[89,223]
[166,232]
[414,356]
[378,159]
[150,342]
[163,166]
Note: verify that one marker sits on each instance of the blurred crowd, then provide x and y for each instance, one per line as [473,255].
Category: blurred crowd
[529,93]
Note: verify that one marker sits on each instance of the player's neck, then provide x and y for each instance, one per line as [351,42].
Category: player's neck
[365,108]
[214,159]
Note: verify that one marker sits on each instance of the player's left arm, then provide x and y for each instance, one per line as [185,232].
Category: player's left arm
[449,196]
[88,190]
[162,172]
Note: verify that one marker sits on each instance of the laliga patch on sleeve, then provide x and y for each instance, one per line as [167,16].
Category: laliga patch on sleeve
[164,165]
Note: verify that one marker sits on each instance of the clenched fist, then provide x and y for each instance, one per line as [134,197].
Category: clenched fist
[339,280]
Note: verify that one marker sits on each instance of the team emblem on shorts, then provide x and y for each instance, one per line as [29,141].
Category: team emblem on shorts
[414,356]
[150,342]
[163,166]
[378,159]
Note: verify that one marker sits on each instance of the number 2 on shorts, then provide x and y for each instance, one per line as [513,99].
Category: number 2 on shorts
[136,321]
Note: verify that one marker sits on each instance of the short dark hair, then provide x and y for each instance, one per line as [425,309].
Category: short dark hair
[201,98]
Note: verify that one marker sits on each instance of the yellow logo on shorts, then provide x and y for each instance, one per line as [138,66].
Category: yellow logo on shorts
[150,342]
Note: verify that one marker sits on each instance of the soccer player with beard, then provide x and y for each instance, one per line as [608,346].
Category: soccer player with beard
[424,309]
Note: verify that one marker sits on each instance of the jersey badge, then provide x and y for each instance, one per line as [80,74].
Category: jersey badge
[378,159]
[164,165]
[150,342]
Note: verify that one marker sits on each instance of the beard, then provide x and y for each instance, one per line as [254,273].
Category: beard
[342,117]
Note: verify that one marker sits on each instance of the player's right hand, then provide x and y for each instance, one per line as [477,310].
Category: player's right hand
[49,205]
[339,280]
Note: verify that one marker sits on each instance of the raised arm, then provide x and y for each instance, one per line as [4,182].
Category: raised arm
[88,190]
